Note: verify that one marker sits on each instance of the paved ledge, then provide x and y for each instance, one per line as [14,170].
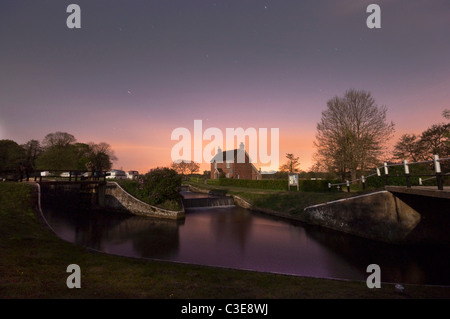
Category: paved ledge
[430,191]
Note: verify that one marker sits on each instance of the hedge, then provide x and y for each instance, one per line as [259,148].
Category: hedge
[249,183]
[304,185]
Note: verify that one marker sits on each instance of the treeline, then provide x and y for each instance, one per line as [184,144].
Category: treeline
[353,133]
[57,151]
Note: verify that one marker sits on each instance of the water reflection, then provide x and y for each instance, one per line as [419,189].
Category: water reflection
[237,238]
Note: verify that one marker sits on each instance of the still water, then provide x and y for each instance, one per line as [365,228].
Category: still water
[234,237]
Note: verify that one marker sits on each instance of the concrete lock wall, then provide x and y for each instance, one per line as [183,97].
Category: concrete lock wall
[116,198]
[380,216]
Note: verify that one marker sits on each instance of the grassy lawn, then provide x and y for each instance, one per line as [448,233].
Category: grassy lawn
[33,265]
[291,202]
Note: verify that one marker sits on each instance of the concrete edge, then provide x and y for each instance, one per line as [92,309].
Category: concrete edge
[344,199]
[182,211]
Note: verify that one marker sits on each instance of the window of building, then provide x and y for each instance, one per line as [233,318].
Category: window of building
[228,164]
[228,175]
[215,164]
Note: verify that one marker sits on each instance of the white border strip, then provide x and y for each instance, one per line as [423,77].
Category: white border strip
[344,199]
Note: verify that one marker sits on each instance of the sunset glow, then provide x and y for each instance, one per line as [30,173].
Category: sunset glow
[136,70]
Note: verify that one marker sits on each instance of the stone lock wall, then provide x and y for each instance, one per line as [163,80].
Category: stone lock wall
[116,198]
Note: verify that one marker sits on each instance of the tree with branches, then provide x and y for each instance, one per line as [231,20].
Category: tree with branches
[292,164]
[352,133]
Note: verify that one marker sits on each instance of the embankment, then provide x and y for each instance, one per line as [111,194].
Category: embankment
[116,198]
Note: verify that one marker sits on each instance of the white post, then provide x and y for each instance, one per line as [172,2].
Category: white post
[378,172]
[437,168]
[420,181]
[386,171]
[408,180]
[405,164]
[437,164]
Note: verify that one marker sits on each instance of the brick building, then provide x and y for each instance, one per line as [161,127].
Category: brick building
[238,165]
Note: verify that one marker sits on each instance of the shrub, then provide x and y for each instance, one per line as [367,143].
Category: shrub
[160,185]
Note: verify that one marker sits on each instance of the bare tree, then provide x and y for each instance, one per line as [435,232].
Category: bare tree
[180,166]
[292,164]
[58,139]
[409,147]
[192,167]
[446,114]
[32,149]
[352,133]
[435,140]
[101,156]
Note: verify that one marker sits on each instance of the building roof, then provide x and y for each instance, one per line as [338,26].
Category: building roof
[221,157]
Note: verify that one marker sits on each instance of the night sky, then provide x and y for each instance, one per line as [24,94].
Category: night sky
[137,70]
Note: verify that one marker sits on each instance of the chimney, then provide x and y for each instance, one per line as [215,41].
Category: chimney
[219,150]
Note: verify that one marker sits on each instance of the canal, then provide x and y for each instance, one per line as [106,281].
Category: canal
[233,237]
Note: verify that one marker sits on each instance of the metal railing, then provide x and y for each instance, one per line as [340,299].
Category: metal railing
[55,175]
[438,175]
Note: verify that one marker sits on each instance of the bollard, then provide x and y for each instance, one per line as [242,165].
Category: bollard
[437,169]
[386,173]
[363,180]
[408,180]
[329,187]
[348,186]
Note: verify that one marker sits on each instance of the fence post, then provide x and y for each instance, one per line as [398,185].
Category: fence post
[329,187]
[363,180]
[420,181]
[348,186]
[437,169]
[386,173]
[408,180]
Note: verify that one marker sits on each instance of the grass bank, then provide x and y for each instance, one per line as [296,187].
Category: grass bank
[289,202]
[131,186]
[33,265]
